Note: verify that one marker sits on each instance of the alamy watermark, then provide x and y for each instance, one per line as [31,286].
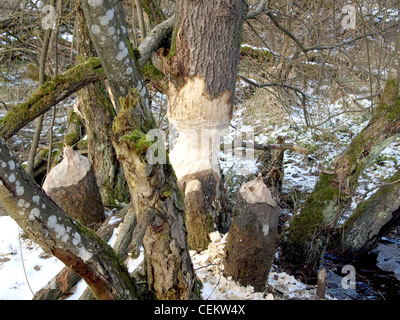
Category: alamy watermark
[349,280]
[49,20]
[349,21]
[205,146]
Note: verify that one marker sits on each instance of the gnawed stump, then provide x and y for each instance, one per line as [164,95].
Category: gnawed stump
[251,241]
[200,190]
[72,186]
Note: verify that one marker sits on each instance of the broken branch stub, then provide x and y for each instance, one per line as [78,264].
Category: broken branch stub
[72,185]
[251,240]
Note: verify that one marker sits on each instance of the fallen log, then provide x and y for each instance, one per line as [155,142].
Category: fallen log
[251,240]
[370,221]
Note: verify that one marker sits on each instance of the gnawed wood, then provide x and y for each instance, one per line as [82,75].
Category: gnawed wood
[251,241]
[201,191]
[72,185]
[321,283]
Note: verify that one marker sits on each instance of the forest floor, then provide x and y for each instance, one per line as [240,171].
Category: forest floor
[24,268]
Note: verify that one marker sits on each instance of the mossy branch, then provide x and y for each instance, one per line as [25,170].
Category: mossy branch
[50,94]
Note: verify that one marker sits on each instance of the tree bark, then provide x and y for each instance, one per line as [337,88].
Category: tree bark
[308,234]
[370,221]
[97,109]
[59,235]
[251,241]
[203,67]
[67,278]
[153,188]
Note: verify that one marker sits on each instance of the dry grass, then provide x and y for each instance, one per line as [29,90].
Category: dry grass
[264,109]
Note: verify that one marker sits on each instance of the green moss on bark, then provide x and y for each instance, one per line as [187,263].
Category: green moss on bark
[304,240]
[137,140]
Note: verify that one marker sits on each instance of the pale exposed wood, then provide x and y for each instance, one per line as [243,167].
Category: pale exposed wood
[321,283]
[72,185]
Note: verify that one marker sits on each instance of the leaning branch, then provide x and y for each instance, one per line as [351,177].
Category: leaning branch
[50,94]
[259,10]
[47,225]
[154,39]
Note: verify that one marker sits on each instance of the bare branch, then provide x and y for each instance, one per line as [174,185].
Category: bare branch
[260,9]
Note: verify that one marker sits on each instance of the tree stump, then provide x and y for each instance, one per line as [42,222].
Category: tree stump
[72,186]
[251,241]
[200,190]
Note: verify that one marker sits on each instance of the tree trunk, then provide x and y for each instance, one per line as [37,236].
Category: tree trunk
[66,279]
[59,235]
[201,190]
[153,187]
[308,234]
[97,109]
[72,185]
[251,241]
[370,221]
[203,66]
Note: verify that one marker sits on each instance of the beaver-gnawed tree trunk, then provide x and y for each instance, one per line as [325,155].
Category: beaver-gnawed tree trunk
[251,241]
[58,234]
[203,65]
[308,234]
[73,187]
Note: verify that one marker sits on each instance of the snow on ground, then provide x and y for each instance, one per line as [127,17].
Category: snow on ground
[301,173]
[17,266]
[17,279]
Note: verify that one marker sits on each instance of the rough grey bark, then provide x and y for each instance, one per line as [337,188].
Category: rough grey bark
[57,234]
[251,241]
